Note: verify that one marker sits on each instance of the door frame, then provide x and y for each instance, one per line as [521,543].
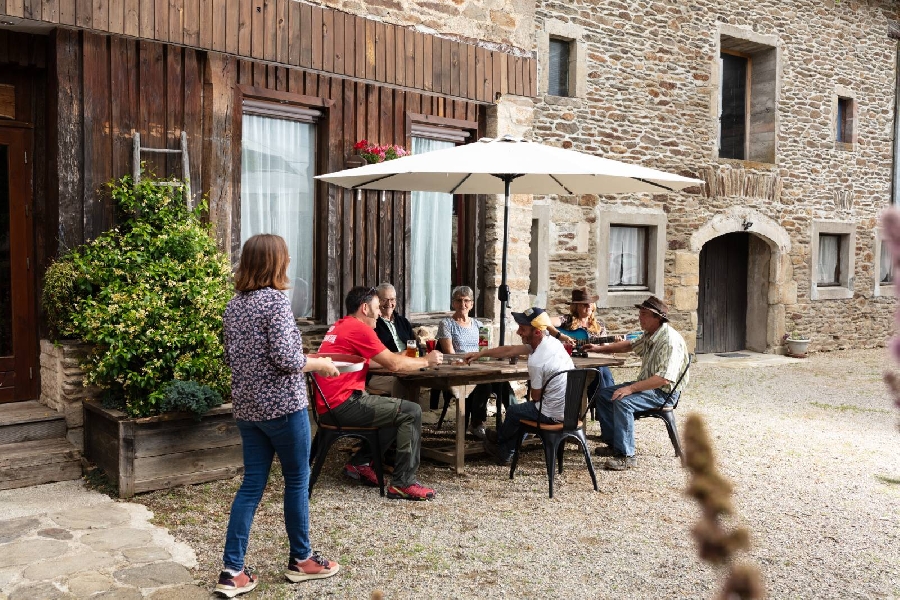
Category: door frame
[23,362]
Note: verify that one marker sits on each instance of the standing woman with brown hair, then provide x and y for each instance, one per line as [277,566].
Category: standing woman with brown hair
[264,349]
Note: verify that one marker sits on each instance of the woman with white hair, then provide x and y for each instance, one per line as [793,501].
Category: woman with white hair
[458,334]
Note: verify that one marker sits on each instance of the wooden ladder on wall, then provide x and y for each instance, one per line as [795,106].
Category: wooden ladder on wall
[185,166]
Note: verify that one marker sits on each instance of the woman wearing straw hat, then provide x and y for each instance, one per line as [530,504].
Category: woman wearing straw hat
[586,328]
[581,317]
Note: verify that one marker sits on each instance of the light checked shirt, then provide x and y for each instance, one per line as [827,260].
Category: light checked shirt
[665,354]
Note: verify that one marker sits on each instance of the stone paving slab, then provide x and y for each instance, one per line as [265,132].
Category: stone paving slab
[63,541]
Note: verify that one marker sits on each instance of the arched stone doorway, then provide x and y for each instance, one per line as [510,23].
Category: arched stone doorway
[744,277]
[732,304]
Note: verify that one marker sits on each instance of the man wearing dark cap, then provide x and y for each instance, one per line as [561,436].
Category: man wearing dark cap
[663,357]
[546,357]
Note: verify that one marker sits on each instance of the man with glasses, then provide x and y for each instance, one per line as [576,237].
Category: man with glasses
[352,406]
[392,328]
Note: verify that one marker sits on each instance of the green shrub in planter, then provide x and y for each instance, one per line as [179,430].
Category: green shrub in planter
[149,294]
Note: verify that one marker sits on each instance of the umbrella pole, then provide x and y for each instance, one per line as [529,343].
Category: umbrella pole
[503,292]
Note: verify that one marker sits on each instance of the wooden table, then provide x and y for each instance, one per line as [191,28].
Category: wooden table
[490,371]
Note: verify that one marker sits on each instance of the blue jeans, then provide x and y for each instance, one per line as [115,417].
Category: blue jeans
[604,380]
[511,429]
[287,436]
[617,418]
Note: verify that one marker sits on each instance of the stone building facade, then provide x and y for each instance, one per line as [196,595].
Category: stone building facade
[645,88]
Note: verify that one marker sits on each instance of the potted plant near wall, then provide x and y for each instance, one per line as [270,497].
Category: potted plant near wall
[796,344]
[148,296]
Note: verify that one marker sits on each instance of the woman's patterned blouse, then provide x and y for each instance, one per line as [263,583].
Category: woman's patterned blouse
[265,352]
[464,339]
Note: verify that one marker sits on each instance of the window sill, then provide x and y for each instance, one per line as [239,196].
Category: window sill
[618,299]
[749,164]
[885,290]
[831,293]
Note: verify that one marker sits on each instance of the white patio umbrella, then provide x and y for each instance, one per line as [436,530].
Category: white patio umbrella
[507,165]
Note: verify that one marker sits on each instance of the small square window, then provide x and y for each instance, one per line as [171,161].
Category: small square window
[844,121]
[829,271]
[558,67]
[628,258]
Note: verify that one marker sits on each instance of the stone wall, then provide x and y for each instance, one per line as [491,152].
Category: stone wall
[504,24]
[651,98]
[62,386]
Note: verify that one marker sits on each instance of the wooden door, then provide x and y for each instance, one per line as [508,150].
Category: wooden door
[18,329]
[722,303]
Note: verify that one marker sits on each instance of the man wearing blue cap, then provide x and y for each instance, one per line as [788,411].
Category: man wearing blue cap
[546,357]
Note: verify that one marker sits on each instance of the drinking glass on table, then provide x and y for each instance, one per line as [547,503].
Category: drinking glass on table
[411,349]
[430,344]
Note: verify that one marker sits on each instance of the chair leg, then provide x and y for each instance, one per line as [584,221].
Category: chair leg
[447,398]
[376,460]
[559,455]
[323,445]
[551,448]
[515,458]
[582,441]
[669,418]
[313,448]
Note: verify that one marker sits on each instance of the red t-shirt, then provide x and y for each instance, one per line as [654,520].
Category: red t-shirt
[347,336]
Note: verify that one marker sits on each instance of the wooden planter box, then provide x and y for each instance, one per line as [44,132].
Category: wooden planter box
[155,453]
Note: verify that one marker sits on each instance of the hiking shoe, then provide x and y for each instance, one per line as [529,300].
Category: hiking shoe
[478,430]
[233,585]
[362,473]
[605,451]
[620,463]
[314,567]
[410,492]
[492,450]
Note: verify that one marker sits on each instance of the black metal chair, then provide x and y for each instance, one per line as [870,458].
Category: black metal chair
[666,413]
[553,436]
[327,434]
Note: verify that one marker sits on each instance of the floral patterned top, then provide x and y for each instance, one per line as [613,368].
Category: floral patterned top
[264,349]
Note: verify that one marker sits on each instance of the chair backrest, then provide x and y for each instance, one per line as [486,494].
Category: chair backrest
[576,381]
[313,387]
[680,377]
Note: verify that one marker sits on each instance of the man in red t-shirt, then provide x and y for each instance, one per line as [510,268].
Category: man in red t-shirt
[352,406]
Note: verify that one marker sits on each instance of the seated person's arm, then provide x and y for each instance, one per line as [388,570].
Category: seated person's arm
[499,352]
[614,348]
[400,362]
[536,394]
[558,335]
[446,345]
[651,383]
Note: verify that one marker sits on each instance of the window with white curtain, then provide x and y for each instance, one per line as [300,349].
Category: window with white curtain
[829,261]
[277,194]
[431,242]
[886,264]
[627,257]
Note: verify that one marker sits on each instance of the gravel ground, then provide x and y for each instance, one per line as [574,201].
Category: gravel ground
[811,447]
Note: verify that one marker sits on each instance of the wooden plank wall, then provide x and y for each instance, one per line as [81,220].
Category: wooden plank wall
[110,86]
[279,31]
[365,235]
[105,89]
